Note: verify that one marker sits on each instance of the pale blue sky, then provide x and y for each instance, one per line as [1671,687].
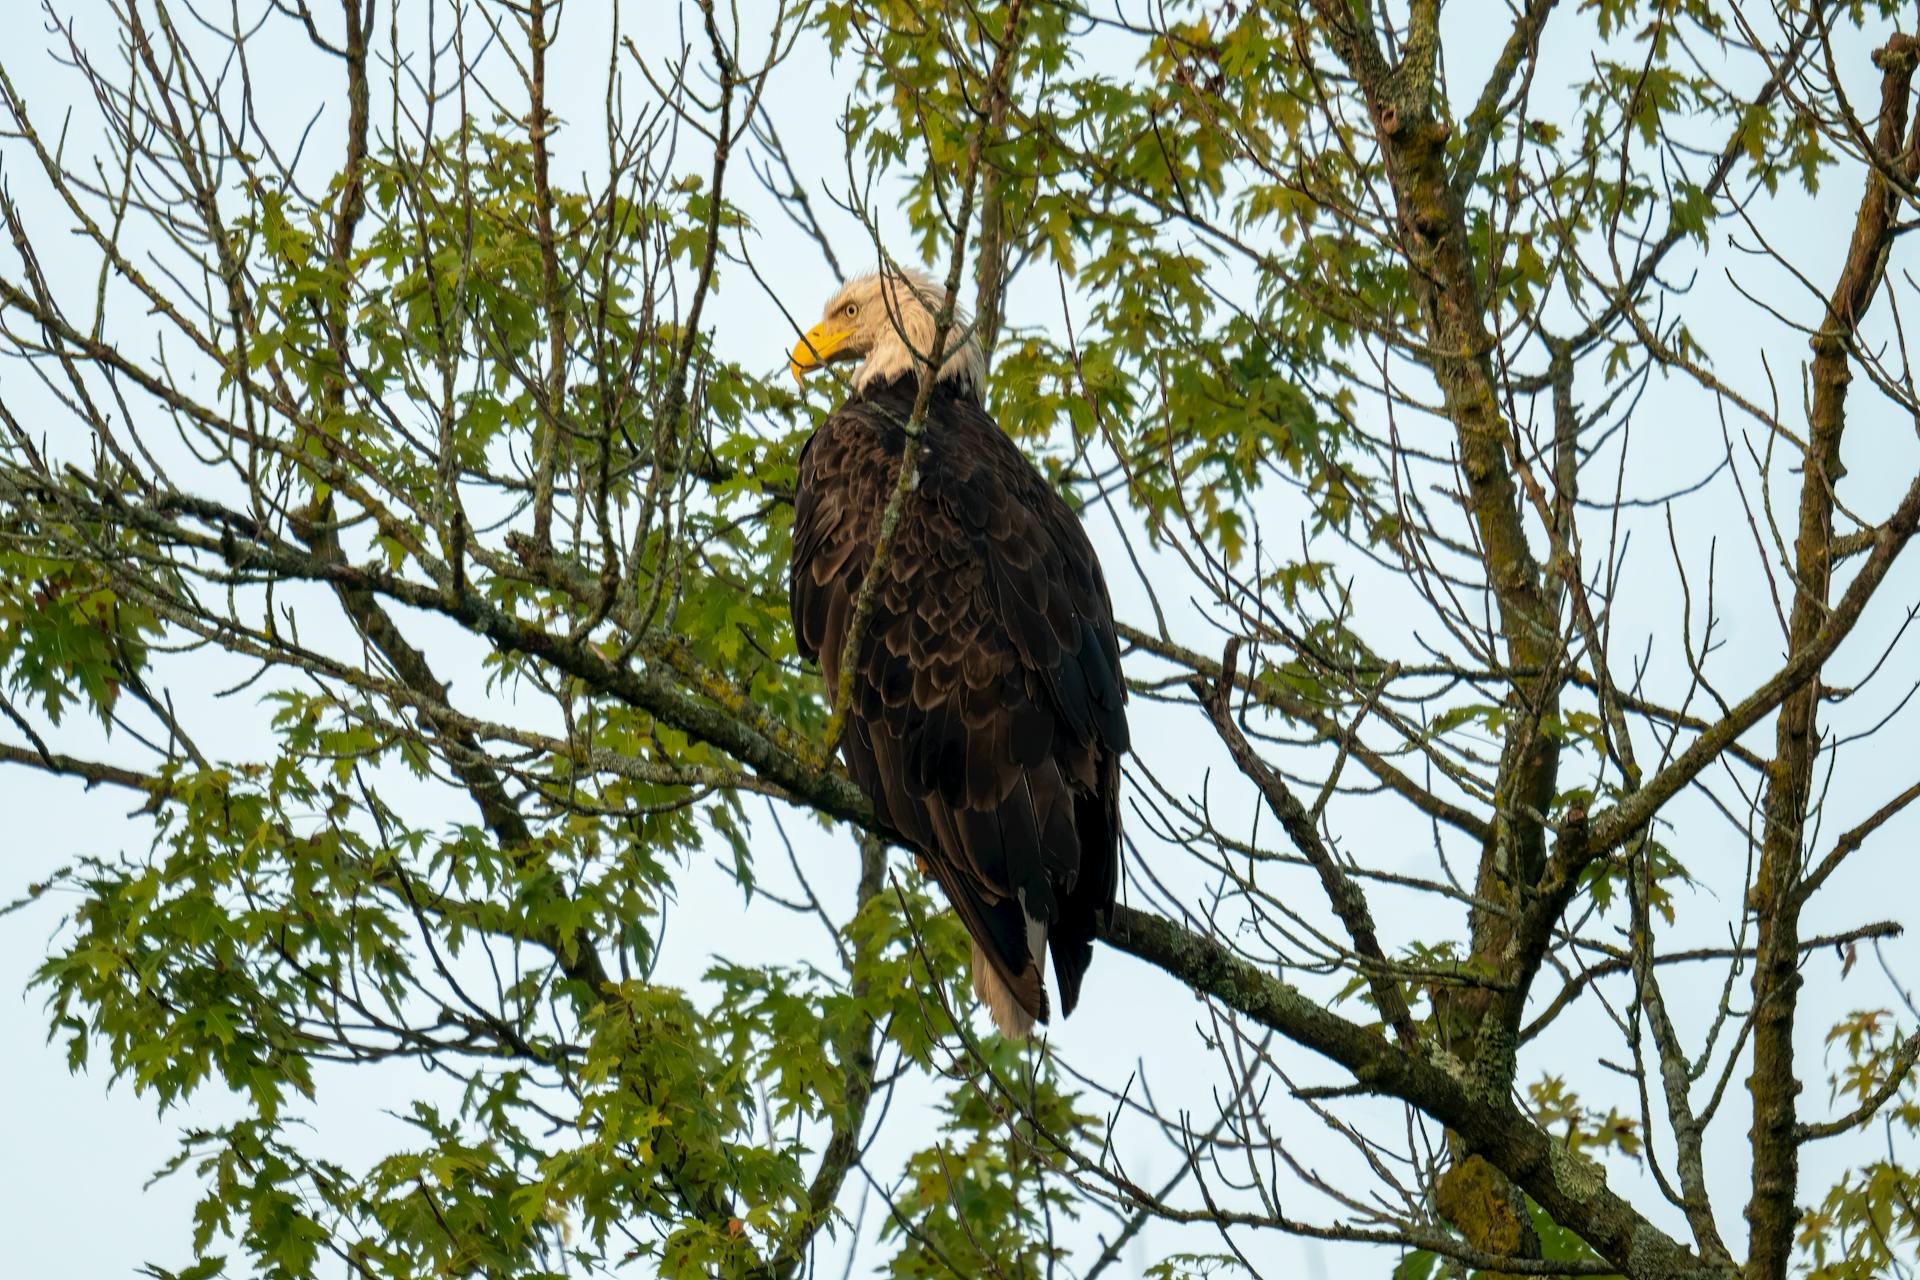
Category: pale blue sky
[73,1202]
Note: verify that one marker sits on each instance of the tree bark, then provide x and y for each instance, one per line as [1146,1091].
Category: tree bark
[1771,1213]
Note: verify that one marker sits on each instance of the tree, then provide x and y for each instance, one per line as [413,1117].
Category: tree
[1438,390]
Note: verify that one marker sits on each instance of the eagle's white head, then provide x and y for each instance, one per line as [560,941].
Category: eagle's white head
[886,321]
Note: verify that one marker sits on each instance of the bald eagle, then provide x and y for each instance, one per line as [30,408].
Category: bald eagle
[987,717]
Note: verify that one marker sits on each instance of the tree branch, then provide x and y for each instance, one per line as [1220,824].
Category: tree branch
[1349,901]
[1568,1186]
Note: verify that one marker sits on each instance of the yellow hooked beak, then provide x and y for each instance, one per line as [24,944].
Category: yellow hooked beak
[816,349]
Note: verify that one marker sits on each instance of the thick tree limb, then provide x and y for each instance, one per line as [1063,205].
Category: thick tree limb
[1523,44]
[1571,1188]
[1774,1137]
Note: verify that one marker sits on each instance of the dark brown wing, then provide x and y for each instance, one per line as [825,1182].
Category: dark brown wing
[987,719]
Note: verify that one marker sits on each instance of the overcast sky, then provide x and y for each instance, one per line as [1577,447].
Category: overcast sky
[74,1200]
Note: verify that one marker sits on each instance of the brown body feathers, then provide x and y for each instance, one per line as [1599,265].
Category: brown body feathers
[987,717]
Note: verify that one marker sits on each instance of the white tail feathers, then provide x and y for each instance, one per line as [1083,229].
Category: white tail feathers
[1014,1022]
[1009,1015]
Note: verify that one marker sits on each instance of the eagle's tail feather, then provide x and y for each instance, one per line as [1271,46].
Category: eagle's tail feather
[1011,1014]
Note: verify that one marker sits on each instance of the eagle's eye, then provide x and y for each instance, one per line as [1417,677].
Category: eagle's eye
[853,309]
